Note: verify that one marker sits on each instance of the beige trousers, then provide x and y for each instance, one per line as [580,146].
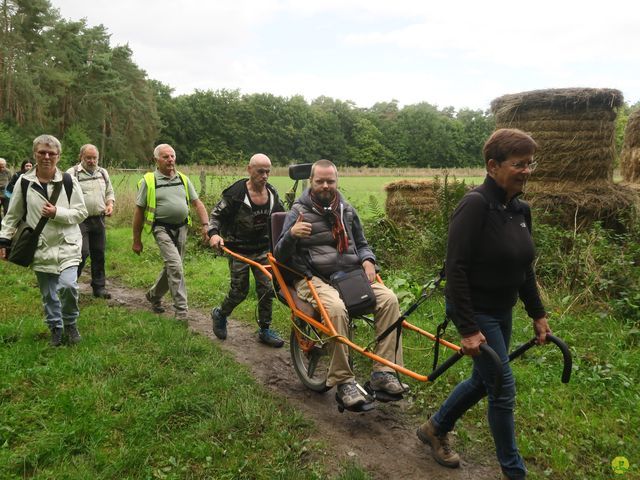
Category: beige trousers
[171,278]
[387,311]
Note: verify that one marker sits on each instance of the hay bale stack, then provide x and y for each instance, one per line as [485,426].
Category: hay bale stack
[630,156]
[574,127]
[576,205]
[411,200]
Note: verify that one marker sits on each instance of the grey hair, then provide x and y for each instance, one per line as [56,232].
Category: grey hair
[156,151]
[47,140]
[3,161]
[84,148]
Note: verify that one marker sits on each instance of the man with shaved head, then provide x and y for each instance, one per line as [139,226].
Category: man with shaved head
[240,222]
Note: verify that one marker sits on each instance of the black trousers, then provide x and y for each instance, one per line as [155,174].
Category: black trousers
[94,240]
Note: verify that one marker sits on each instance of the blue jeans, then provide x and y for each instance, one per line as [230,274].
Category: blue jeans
[496,327]
[59,297]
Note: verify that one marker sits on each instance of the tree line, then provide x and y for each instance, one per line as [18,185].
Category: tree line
[63,77]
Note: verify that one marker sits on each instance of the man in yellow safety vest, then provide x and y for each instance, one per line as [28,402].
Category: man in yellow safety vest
[162,208]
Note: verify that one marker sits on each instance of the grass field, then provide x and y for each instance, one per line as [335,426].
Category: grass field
[138,388]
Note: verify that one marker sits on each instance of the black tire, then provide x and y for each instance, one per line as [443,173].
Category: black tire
[312,366]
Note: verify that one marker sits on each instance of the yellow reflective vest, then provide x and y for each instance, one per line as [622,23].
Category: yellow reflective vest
[150,211]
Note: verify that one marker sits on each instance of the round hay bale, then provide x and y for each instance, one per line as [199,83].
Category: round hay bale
[408,199]
[576,205]
[630,156]
[574,127]
[415,200]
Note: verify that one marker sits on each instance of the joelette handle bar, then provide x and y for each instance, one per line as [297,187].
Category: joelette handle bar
[485,350]
[566,355]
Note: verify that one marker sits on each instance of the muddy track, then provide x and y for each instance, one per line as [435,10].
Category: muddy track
[382,441]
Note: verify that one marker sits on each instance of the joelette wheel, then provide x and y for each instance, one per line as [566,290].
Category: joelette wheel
[310,358]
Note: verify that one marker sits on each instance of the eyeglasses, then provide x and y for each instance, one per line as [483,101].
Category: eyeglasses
[524,165]
[44,153]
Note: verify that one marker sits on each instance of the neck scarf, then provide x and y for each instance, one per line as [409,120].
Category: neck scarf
[332,214]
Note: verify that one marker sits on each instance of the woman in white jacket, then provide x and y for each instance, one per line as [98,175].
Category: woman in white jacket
[59,246]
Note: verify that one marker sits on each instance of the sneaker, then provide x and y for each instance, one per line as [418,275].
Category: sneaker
[270,337]
[101,293]
[219,323]
[156,305]
[181,315]
[440,447]
[386,382]
[73,334]
[56,337]
[350,395]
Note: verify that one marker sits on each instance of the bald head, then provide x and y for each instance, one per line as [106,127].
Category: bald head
[259,159]
[3,164]
[259,169]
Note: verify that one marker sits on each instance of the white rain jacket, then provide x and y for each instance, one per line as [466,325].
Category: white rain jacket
[60,243]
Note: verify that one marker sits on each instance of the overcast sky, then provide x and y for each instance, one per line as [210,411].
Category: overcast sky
[445,52]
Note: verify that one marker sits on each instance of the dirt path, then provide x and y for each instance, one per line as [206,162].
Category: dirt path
[382,441]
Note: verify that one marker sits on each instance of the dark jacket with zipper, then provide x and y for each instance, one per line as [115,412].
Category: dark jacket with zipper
[232,219]
[318,254]
[490,255]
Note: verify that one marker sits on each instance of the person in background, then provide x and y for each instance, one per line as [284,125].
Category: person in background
[240,221]
[59,252]
[25,166]
[5,178]
[490,255]
[162,208]
[99,199]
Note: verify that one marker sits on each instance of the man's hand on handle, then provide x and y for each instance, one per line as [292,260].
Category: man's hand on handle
[217,242]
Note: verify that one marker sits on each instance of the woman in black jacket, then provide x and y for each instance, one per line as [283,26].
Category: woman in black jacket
[489,265]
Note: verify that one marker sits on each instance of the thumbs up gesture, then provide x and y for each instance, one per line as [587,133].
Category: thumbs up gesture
[301,229]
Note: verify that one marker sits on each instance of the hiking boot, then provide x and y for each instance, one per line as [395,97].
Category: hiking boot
[56,337]
[181,315]
[440,447]
[350,395]
[219,323]
[386,382]
[73,334]
[101,293]
[270,337]
[156,305]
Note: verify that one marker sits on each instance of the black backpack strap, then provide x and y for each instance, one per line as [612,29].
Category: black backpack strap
[24,185]
[67,181]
